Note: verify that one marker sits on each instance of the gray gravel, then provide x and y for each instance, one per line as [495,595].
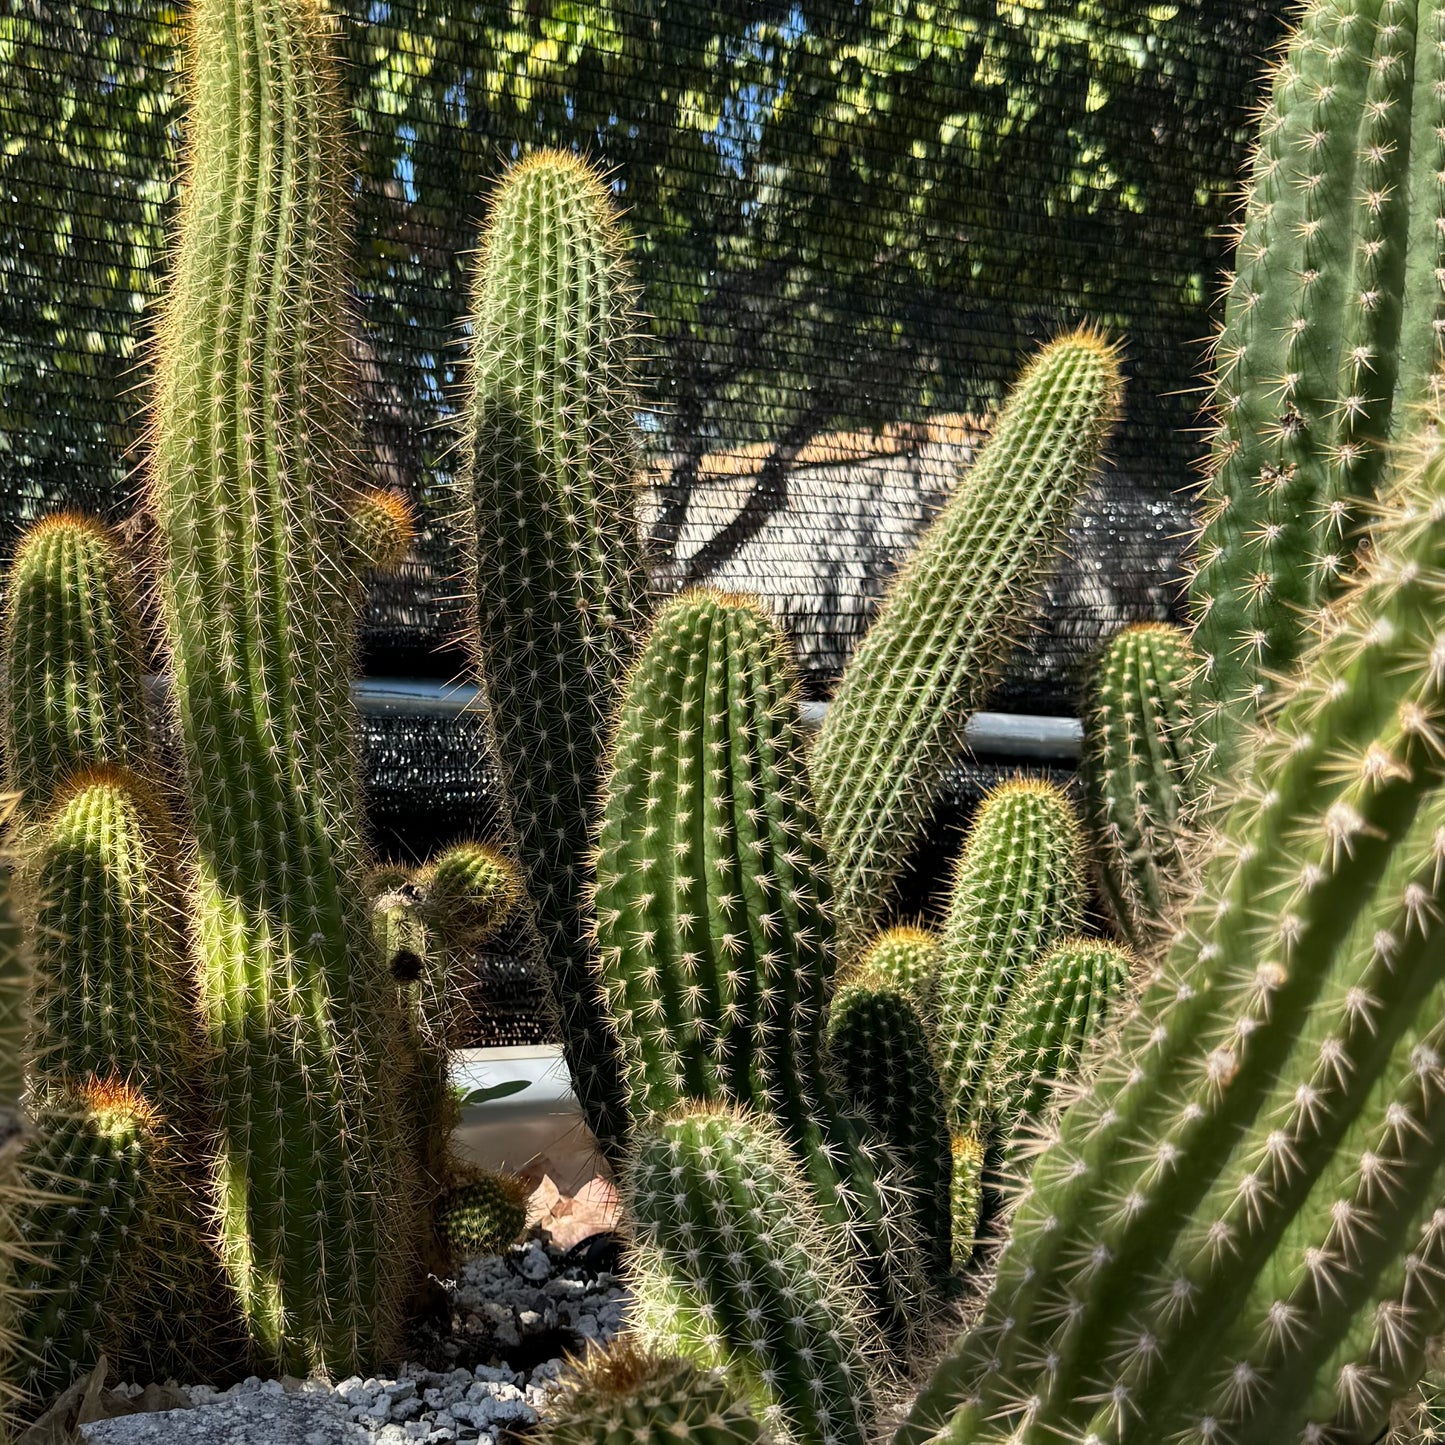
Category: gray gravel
[504,1307]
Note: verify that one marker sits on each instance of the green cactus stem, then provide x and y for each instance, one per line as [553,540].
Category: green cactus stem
[114,993]
[964,1194]
[906,956]
[734,1267]
[557,571]
[1237,1233]
[73,658]
[628,1395]
[952,618]
[485,1214]
[1330,341]
[251,479]
[1136,776]
[1017,889]
[712,918]
[879,1051]
[381,528]
[471,891]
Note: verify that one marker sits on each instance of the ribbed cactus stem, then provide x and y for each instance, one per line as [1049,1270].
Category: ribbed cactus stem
[114,991]
[880,1053]
[557,574]
[73,658]
[471,890]
[252,447]
[484,1214]
[1330,341]
[951,620]
[1137,780]
[1017,889]
[629,1395]
[1238,1232]
[965,1193]
[712,917]
[735,1267]
[381,527]
[906,957]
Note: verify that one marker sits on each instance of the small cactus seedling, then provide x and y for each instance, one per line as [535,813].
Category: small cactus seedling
[1017,889]
[484,1214]
[380,529]
[1331,341]
[629,1395]
[735,1267]
[950,621]
[964,1194]
[72,656]
[471,891]
[880,1054]
[1136,778]
[712,910]
[557,572]
[906,957]
[1237,1232]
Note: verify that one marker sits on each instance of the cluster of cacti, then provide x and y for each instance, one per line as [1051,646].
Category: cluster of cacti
[713,929]
[951,620]
[484,1214]
[1238,1233]
[734,1266]
[1331,340]
[629,1395]
[1136,778]
[556,566]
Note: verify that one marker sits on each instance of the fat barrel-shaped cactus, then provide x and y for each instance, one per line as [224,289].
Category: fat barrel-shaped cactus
[1238,1232]
[1017,889]
[74,664]
[252,452]
[1330,340]
[734,1266]
[558,583]
[1137,778]
[949,622]
[712,919]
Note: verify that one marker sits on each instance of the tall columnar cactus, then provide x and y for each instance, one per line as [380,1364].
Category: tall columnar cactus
[734,1266]
[628,1395]
[881,1055]
[114,993]
[73,658]
[906,957]
[1136,774]
[557,573]
[252,441]
[712,918]
[947,627]
[1331,337]
[91,1174]
[1238,1234]
[1017,889]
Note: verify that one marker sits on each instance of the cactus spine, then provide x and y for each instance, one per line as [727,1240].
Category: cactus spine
[1331,336]
[1238,1233]
[629,1395]
[1136,777]
[949,623]
[735,1267]
[711,909]
[73,658]
[485,1214]
[251,465]
[557,573]
[879,1051]
[1017,889]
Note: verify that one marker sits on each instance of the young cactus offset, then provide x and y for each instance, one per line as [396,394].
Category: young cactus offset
[713,929]
[114,995]
[1238,1234]
[557,572]
[950,621]
[1136,778]
[626,1394]
[73,658]
[734,1267]
[484,1214]
[906,957]
[252,446]
[880,1054]
[965,1191]
[471,890]
[1330,342]
[1017,889]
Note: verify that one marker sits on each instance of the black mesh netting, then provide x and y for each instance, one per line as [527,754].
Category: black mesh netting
[852,219]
